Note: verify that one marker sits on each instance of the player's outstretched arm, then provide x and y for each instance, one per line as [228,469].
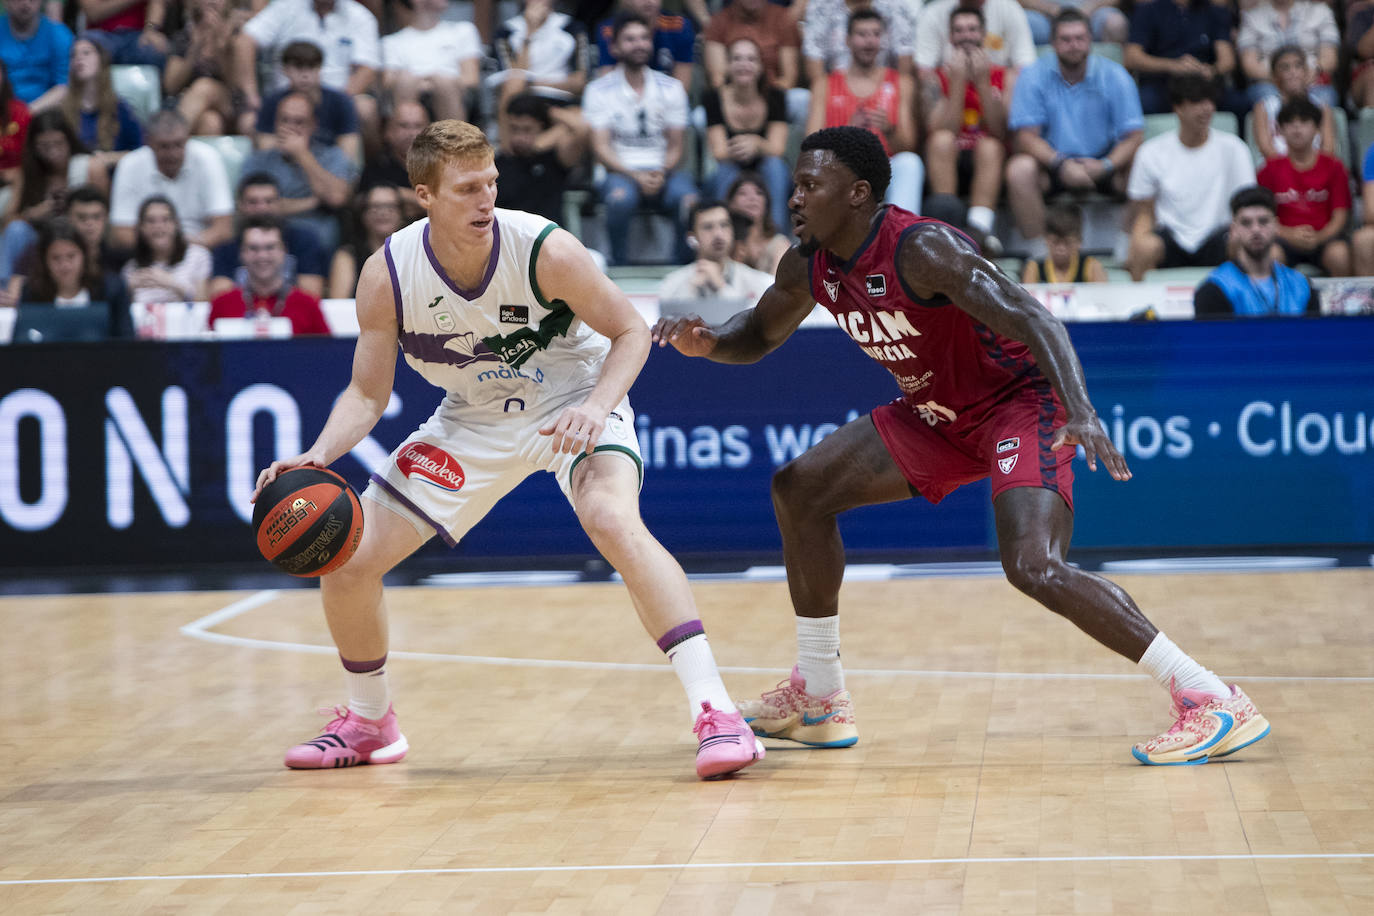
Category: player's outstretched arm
[747,336]
[566,271]
[374,371]
[937,260]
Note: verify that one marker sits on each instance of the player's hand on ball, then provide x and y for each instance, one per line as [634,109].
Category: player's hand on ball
[577,429]
[1088,432]
[269,473]
[689,335]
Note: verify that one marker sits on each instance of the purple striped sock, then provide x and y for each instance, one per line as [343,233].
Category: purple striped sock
[680,633]
[362,667]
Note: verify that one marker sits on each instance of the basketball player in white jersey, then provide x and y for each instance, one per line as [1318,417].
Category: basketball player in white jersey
[535,349]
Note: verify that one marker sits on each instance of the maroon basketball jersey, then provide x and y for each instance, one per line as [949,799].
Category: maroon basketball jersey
[951,368]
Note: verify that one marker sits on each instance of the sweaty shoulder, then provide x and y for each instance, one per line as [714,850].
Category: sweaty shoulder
[935,261]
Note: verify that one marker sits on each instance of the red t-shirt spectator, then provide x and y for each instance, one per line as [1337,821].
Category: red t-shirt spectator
[12,135]
[133,16]
[774,29]
[1307,198]
[302,308]
[972,124]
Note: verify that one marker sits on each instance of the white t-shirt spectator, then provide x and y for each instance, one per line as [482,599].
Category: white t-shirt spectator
[636,122]
[432,52]
[1008,36]
[743,285]
[1310,26]
[200,191]
[827,24]
[347,36]
[1191,186]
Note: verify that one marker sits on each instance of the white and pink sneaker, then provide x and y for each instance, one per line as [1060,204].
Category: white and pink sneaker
[725,743]
[350,740]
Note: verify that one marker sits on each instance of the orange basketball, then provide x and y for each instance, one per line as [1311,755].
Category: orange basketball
[308,522]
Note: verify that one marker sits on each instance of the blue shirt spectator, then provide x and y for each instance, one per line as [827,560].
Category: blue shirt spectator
[335,115]
[301,245]
[674,42]
[1170,30]
[35,50]
[129,135]
[1085,119]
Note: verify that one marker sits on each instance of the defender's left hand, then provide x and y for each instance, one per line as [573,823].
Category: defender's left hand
[577,429]
[1088,432]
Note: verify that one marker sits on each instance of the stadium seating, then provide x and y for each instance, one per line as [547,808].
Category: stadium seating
[232,151]
[140,87]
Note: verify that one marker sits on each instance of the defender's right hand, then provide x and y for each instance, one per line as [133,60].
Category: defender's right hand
[689,335]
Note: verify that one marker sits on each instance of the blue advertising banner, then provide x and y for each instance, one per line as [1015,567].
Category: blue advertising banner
[1242,433]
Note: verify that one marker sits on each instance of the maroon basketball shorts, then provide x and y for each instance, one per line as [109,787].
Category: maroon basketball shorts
[1010,444]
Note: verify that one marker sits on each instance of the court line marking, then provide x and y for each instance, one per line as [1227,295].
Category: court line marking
[199,629]
[701,866]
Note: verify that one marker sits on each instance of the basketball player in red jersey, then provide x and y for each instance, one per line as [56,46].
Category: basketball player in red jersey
[990,386]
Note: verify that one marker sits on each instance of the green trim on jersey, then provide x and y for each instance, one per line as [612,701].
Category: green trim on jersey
[517,347]
[639,462]
[534,259]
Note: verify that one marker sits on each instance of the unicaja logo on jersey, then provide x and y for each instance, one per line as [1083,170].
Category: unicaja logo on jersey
[431,464]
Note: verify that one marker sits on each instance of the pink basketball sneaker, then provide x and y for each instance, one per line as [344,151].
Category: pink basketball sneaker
[350,740]
[726,744]
[1206,726]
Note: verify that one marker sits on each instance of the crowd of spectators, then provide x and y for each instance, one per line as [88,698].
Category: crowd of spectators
[656,106]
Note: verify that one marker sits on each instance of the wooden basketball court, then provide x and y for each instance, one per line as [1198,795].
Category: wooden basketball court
[551,758]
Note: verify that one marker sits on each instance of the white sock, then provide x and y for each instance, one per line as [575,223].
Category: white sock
[818,654]
[1166,662]
[695,666]
[980,218]
[369,694]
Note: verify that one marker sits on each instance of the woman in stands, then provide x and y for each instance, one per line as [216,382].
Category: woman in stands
[64,276]
[763,246]
[199,66]
[53,161]
[14,129]
[104,122]
[164,267]
[746,128]
[378,215]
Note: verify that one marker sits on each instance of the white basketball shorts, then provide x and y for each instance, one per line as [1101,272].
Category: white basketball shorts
[447,475]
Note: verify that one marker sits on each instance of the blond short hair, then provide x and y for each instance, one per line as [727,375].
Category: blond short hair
[443,142]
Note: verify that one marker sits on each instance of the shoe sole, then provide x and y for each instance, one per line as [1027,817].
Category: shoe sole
[782,735]
[726,767]
[1257,728]
[392,753]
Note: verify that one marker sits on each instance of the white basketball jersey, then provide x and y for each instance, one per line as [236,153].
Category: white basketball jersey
[503,341]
